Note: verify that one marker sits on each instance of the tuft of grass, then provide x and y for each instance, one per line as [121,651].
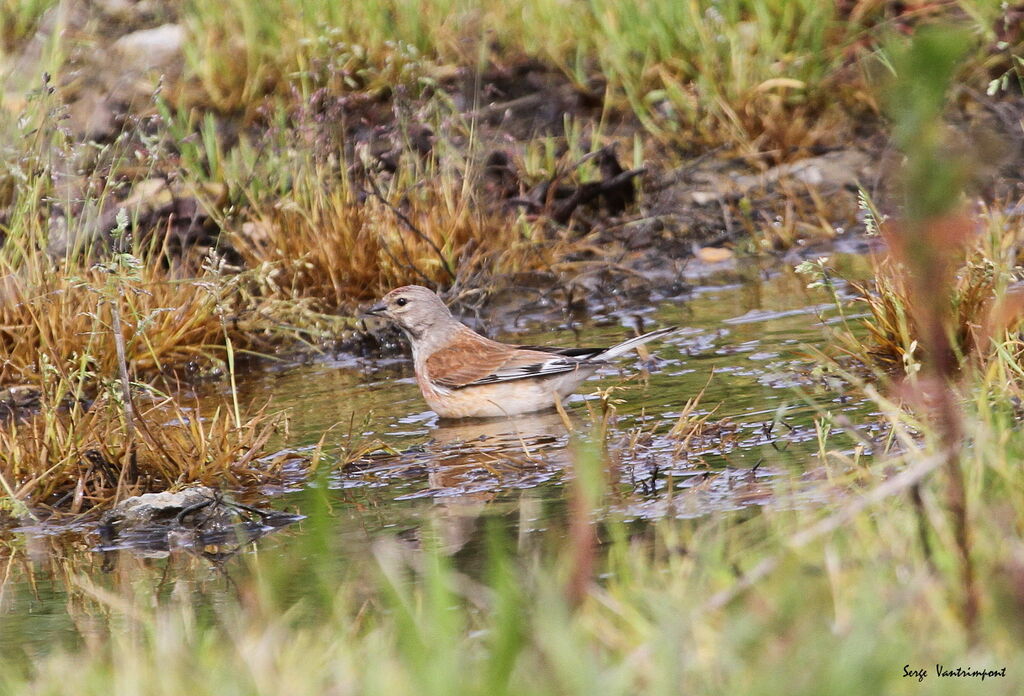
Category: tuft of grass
[77,454]
[741,71]
[759,72]
[983,302]
[64,320]
[324,244]
[771,78]
[240,52]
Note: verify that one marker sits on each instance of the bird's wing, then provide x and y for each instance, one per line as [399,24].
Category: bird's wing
[578,353]
[471,360]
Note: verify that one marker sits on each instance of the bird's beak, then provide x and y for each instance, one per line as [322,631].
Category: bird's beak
[375,311]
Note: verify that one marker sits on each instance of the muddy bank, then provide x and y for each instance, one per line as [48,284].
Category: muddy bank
[589,177]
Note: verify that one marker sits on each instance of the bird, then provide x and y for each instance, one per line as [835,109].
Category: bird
[462,374]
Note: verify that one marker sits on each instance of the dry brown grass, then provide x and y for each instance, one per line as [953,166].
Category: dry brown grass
[326,245]
[77,458]
[891,325]
[62,319]
[982,301]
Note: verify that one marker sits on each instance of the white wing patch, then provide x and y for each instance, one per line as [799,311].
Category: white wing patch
[555,366]
[560,364]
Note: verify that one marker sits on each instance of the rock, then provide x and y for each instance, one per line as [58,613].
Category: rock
[62,241]
[122,10]
[18,397]
[713,254]
[155,509]
[130,70]
[196,519]
[147,197]
[151,49]
[705,197]
[156,196]
[181,213]
[829,171]
[257,233]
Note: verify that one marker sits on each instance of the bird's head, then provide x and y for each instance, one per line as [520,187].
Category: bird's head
[414,308]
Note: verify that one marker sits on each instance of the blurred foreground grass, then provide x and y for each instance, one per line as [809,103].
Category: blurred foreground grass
[790,600]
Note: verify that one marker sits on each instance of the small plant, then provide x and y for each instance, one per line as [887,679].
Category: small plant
[979,305]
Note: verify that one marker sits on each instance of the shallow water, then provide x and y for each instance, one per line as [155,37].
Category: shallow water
[743,340]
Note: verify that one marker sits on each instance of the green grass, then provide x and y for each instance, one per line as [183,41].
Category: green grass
[19,20]
[769,77]
[774,76]
[735,65]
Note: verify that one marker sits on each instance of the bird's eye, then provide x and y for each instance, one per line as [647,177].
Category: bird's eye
[401,302]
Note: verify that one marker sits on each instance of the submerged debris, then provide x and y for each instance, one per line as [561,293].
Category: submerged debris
[200,519]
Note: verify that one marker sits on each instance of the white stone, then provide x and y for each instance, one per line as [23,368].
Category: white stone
[151,49]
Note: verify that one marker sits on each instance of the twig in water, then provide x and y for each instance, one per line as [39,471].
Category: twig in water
[126,393]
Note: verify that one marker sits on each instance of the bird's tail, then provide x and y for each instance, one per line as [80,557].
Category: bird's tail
[628,345]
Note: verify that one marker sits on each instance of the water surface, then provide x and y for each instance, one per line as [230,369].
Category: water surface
[744,340]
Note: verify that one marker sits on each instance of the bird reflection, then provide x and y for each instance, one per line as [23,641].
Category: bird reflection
[472,459]
[469,454]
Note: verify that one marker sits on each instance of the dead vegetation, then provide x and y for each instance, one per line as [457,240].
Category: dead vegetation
[53,321]
[325,245]
[76,455]
[984,301]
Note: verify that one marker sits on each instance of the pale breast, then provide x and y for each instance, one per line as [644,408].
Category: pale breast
[501,399]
